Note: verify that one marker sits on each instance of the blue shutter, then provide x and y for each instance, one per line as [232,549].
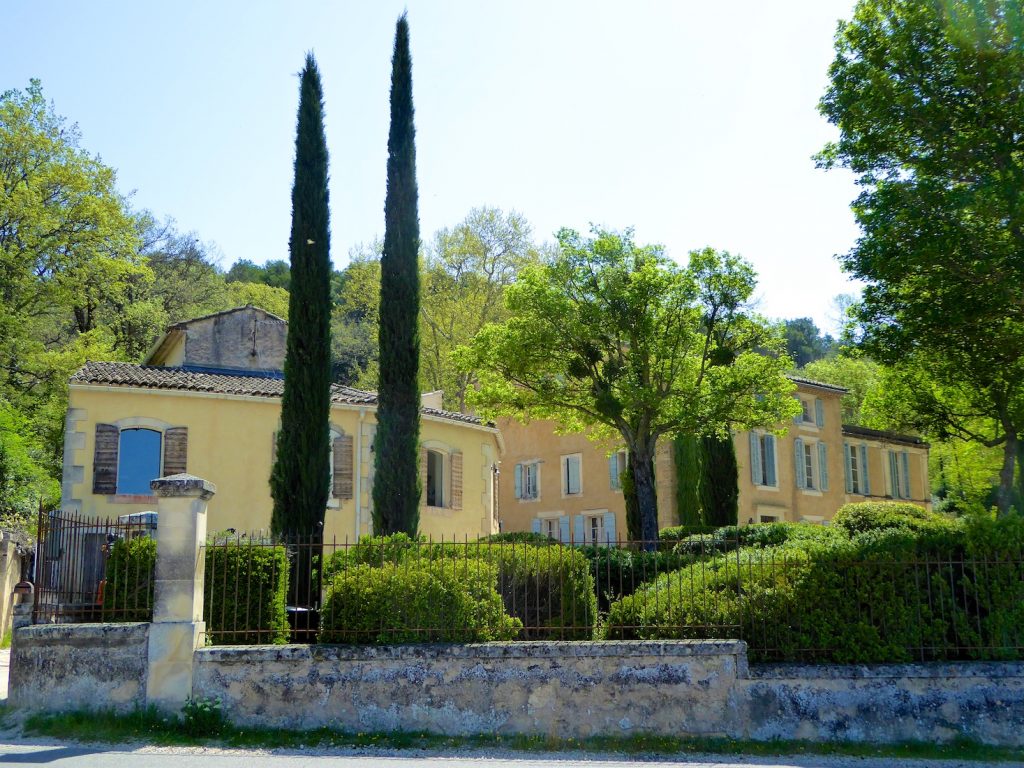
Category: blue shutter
[905,459]
[894,480]
[769,461]
[572,474]
[801,472]
[865,473]
[823,466]
[519,481]
[535,525]
[563,529]
[819,412]
[613,471]
[848,468]
[579,530]
[609,528]
[799,418]
[755,459]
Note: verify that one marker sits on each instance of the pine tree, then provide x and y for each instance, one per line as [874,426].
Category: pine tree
[300,479]
[396,488]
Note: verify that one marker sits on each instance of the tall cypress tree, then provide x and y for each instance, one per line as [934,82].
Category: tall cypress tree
[300,479]
[396,487]
[689,473]
[720,481]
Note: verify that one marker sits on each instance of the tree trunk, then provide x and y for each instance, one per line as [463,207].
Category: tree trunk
[1006,488]
[641,461]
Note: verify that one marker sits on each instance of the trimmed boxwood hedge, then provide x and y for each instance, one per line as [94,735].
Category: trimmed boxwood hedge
[245,589]
[415,601]
[928,589]
[548,587]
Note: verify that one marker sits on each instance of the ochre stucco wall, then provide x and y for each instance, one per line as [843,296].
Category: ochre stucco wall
[230,444]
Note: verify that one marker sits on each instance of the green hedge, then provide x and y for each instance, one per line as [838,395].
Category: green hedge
[619,571]
[549,587]
[944,590]
[884,515]
[245,591]
[128,591]
[417,600]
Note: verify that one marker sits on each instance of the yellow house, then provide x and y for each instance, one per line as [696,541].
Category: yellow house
[207,401]
[569,487]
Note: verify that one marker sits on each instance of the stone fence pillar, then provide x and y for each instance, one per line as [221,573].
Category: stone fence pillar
[177,626]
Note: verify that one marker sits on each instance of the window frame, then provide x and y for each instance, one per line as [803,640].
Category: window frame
[567,492]
[439,486]
[121,453]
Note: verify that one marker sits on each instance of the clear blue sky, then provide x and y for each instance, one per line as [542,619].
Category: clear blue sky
[693,122]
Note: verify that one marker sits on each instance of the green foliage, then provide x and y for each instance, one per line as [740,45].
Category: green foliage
[687,454]
[246,590]
[518,537]
[24,480]
[881,585]
[882,515]
[805,343]
[203,717]
[926,96]
[859,375]
[128,593]
[618,572]
[549,587]
[417,600]
[273,274]
[634,522]
[719,486]
[396,488]
[299,481]
[618,340]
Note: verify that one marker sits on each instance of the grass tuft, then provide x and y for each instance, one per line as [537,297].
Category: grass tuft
[153,727]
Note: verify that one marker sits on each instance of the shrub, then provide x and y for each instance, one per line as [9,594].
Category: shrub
[618,571]
[548,588]
[732,537]
[128,591]
[518,537]
[881,515]
[418,600]
[885,594]
[203,717]
[245,590]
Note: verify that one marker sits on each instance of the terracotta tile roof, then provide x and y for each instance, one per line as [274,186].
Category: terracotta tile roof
[884,436]
[223,383]
[818,384]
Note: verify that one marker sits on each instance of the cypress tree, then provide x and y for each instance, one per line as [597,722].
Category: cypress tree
[299,482]
[720,481]
[689,473]
[396,487]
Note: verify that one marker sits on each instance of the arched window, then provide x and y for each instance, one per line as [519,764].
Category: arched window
[138,460]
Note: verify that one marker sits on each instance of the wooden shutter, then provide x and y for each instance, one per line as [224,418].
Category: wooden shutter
[819,412]
[535,525]
[518,474]
[175,451]
[801,468]
[423,477]
[609,528]
[613,471]
[769,460]
[865,474]
[822,466]
[456,480]
[755,459]
[848,466]
[104,459]
[341,482]
[563,529]
[905,464]
[273,450]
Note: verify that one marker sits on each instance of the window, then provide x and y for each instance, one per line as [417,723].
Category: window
[435,479]
[806,412]
[811,413]
[549,527]
[572,482]
[858,479]
[808,459]
[138,460]
[899,474]
[811,464]
[762,460]
[527,481]
[767,518]
[616,467]
[594,527]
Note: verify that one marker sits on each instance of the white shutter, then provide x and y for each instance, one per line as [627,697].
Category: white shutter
[819,412]
[823,466]
[755,459]
[865,473]
[801,470]
[769,460]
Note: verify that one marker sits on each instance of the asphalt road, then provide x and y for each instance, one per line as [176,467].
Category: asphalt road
[50,754]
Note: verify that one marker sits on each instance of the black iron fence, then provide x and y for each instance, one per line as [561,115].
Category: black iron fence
[793,594]
[74,572]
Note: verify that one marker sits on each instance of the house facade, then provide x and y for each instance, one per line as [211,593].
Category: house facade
[568,487]
[207,401]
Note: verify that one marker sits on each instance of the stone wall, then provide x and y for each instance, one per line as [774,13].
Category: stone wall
[10,574]
[58,667]
[981,701]
[559,688]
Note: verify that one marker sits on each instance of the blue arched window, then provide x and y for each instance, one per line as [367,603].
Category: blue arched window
[138,460]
